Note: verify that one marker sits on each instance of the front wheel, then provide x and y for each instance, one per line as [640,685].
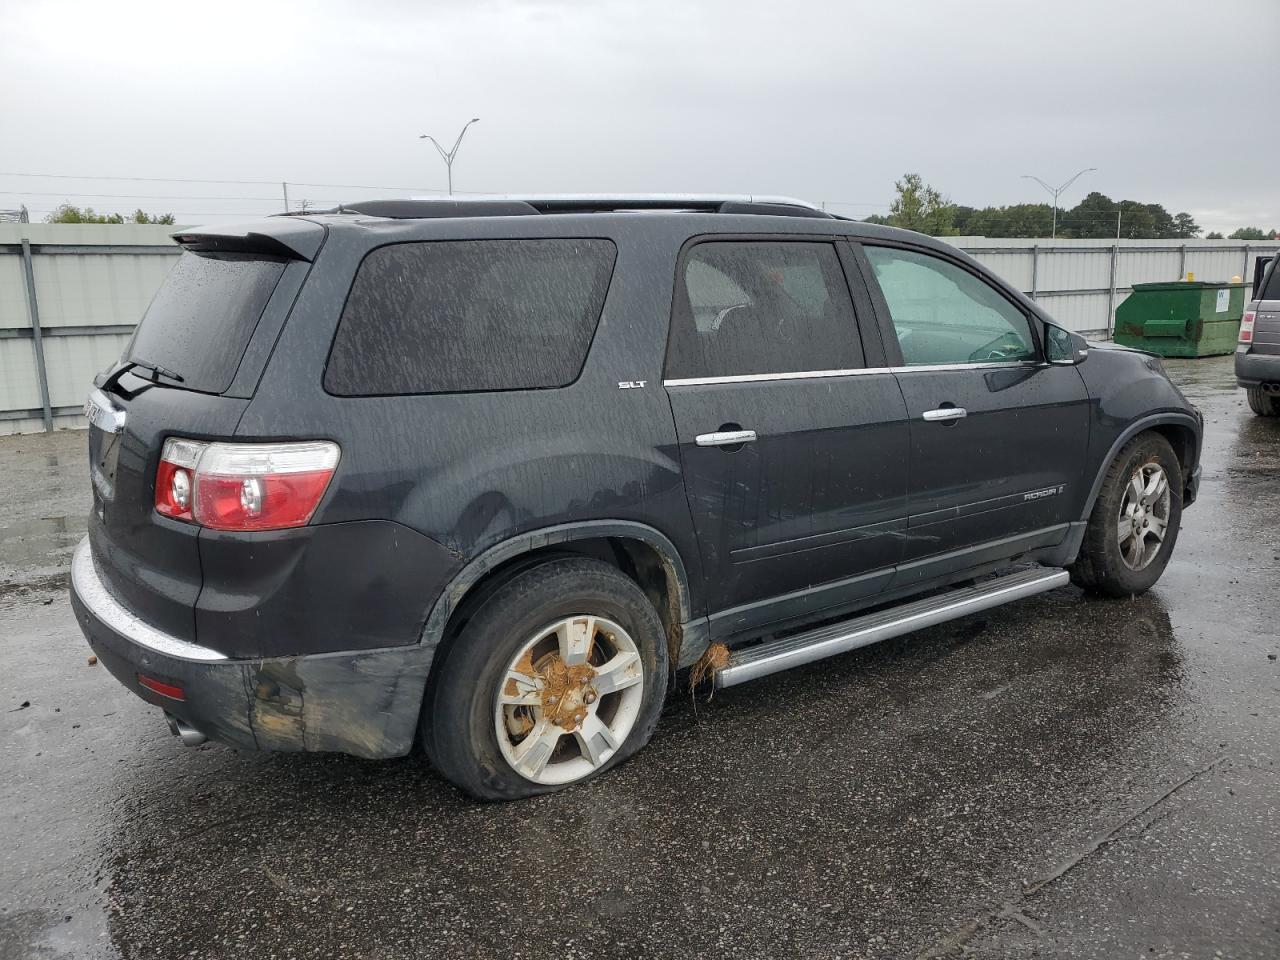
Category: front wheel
[1262,403]
[559,676]
[1135,520]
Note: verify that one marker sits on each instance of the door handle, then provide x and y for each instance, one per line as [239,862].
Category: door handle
[727,438]
[943,414]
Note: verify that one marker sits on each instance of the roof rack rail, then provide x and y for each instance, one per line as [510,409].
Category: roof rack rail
[515,206]
[701,203]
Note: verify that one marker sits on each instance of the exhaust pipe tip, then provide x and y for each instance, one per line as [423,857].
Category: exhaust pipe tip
[188,734]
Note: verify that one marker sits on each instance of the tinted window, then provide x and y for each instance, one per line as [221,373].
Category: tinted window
[944,314]
[762,307]
[203,315]
[1270,288]
[470,315]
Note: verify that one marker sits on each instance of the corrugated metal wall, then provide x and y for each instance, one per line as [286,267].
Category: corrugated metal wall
[1072,279]
[93,282]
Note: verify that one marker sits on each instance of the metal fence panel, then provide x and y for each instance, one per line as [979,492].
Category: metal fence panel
[1074,279]
[18,387]
[91,282]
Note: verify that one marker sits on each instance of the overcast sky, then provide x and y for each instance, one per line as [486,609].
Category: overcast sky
[828,101]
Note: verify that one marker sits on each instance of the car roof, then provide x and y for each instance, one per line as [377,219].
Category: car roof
[555,215]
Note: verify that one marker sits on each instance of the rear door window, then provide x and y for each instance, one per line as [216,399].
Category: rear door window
[202,317]
[748,308]
[473,315]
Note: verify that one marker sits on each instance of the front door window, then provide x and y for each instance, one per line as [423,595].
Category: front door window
[944,314]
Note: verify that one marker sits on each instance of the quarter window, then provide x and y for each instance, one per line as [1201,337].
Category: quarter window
[760,307]
[944,314]
[469,315]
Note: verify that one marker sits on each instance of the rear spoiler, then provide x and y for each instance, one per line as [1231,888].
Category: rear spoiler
[278,237]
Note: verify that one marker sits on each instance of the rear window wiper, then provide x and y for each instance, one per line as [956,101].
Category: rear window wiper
[154,369]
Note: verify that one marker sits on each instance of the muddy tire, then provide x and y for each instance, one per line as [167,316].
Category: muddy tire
[1134,524]
[557,677]
[1263,404]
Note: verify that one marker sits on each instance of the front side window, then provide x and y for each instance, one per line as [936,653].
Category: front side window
[470,315]
[760,307]
[944,314]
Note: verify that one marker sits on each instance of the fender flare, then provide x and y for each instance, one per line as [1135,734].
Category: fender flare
[452,595]
[1131,431]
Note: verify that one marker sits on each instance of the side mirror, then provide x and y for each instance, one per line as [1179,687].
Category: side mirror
[1063,346]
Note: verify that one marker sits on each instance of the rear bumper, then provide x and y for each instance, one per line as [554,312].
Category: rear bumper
[362,702]
[1255,369]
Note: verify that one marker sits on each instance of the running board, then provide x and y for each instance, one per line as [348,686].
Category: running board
[775,655]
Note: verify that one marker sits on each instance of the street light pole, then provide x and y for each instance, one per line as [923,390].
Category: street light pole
[1057,192]
[448,155]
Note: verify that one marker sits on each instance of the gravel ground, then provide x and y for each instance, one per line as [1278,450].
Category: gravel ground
[1062,777]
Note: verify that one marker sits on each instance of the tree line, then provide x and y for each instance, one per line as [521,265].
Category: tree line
[919,206]
[67,213]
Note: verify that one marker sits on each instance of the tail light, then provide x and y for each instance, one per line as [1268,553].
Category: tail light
[243,486]
[1246,327]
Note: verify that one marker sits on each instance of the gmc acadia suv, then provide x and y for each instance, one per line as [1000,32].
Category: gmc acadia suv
[483,474]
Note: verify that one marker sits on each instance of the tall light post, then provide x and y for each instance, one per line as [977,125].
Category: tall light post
[448,155]
[1057,192]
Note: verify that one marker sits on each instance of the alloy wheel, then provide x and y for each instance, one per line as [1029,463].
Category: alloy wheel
[568,699]
[1144,516]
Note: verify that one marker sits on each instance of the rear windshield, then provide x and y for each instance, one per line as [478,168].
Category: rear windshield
[470,315]
[203,315]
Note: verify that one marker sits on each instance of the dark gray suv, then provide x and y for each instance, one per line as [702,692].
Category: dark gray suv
[483,474]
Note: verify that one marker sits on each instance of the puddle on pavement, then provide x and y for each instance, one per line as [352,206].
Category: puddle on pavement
[35,554]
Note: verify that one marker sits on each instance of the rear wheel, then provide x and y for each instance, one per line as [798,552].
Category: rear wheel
[558,676]
[1135,520]
[1262,403]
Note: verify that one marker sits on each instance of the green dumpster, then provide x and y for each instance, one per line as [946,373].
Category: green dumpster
[1181,319]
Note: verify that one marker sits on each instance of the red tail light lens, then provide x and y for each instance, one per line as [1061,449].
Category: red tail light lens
[244,486]
[175,478]
[1246,327]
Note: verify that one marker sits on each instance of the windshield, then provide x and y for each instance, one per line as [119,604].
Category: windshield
[202,317]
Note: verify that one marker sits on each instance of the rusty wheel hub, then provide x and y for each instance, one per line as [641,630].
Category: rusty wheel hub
[567,692]
[569,699]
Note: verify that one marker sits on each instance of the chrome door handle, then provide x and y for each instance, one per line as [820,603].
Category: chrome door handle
[725,439]
[945,413]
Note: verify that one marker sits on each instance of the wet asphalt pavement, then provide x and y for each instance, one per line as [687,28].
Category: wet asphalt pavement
[1062,777]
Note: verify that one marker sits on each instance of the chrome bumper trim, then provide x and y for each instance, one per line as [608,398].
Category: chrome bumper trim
[93,593]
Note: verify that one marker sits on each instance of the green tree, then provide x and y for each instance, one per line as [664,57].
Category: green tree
[920,207]
[1094,216]
[1214,235]
[1184,227]
[1016,220]
[66,213]
[1249,233]
[1098,216]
